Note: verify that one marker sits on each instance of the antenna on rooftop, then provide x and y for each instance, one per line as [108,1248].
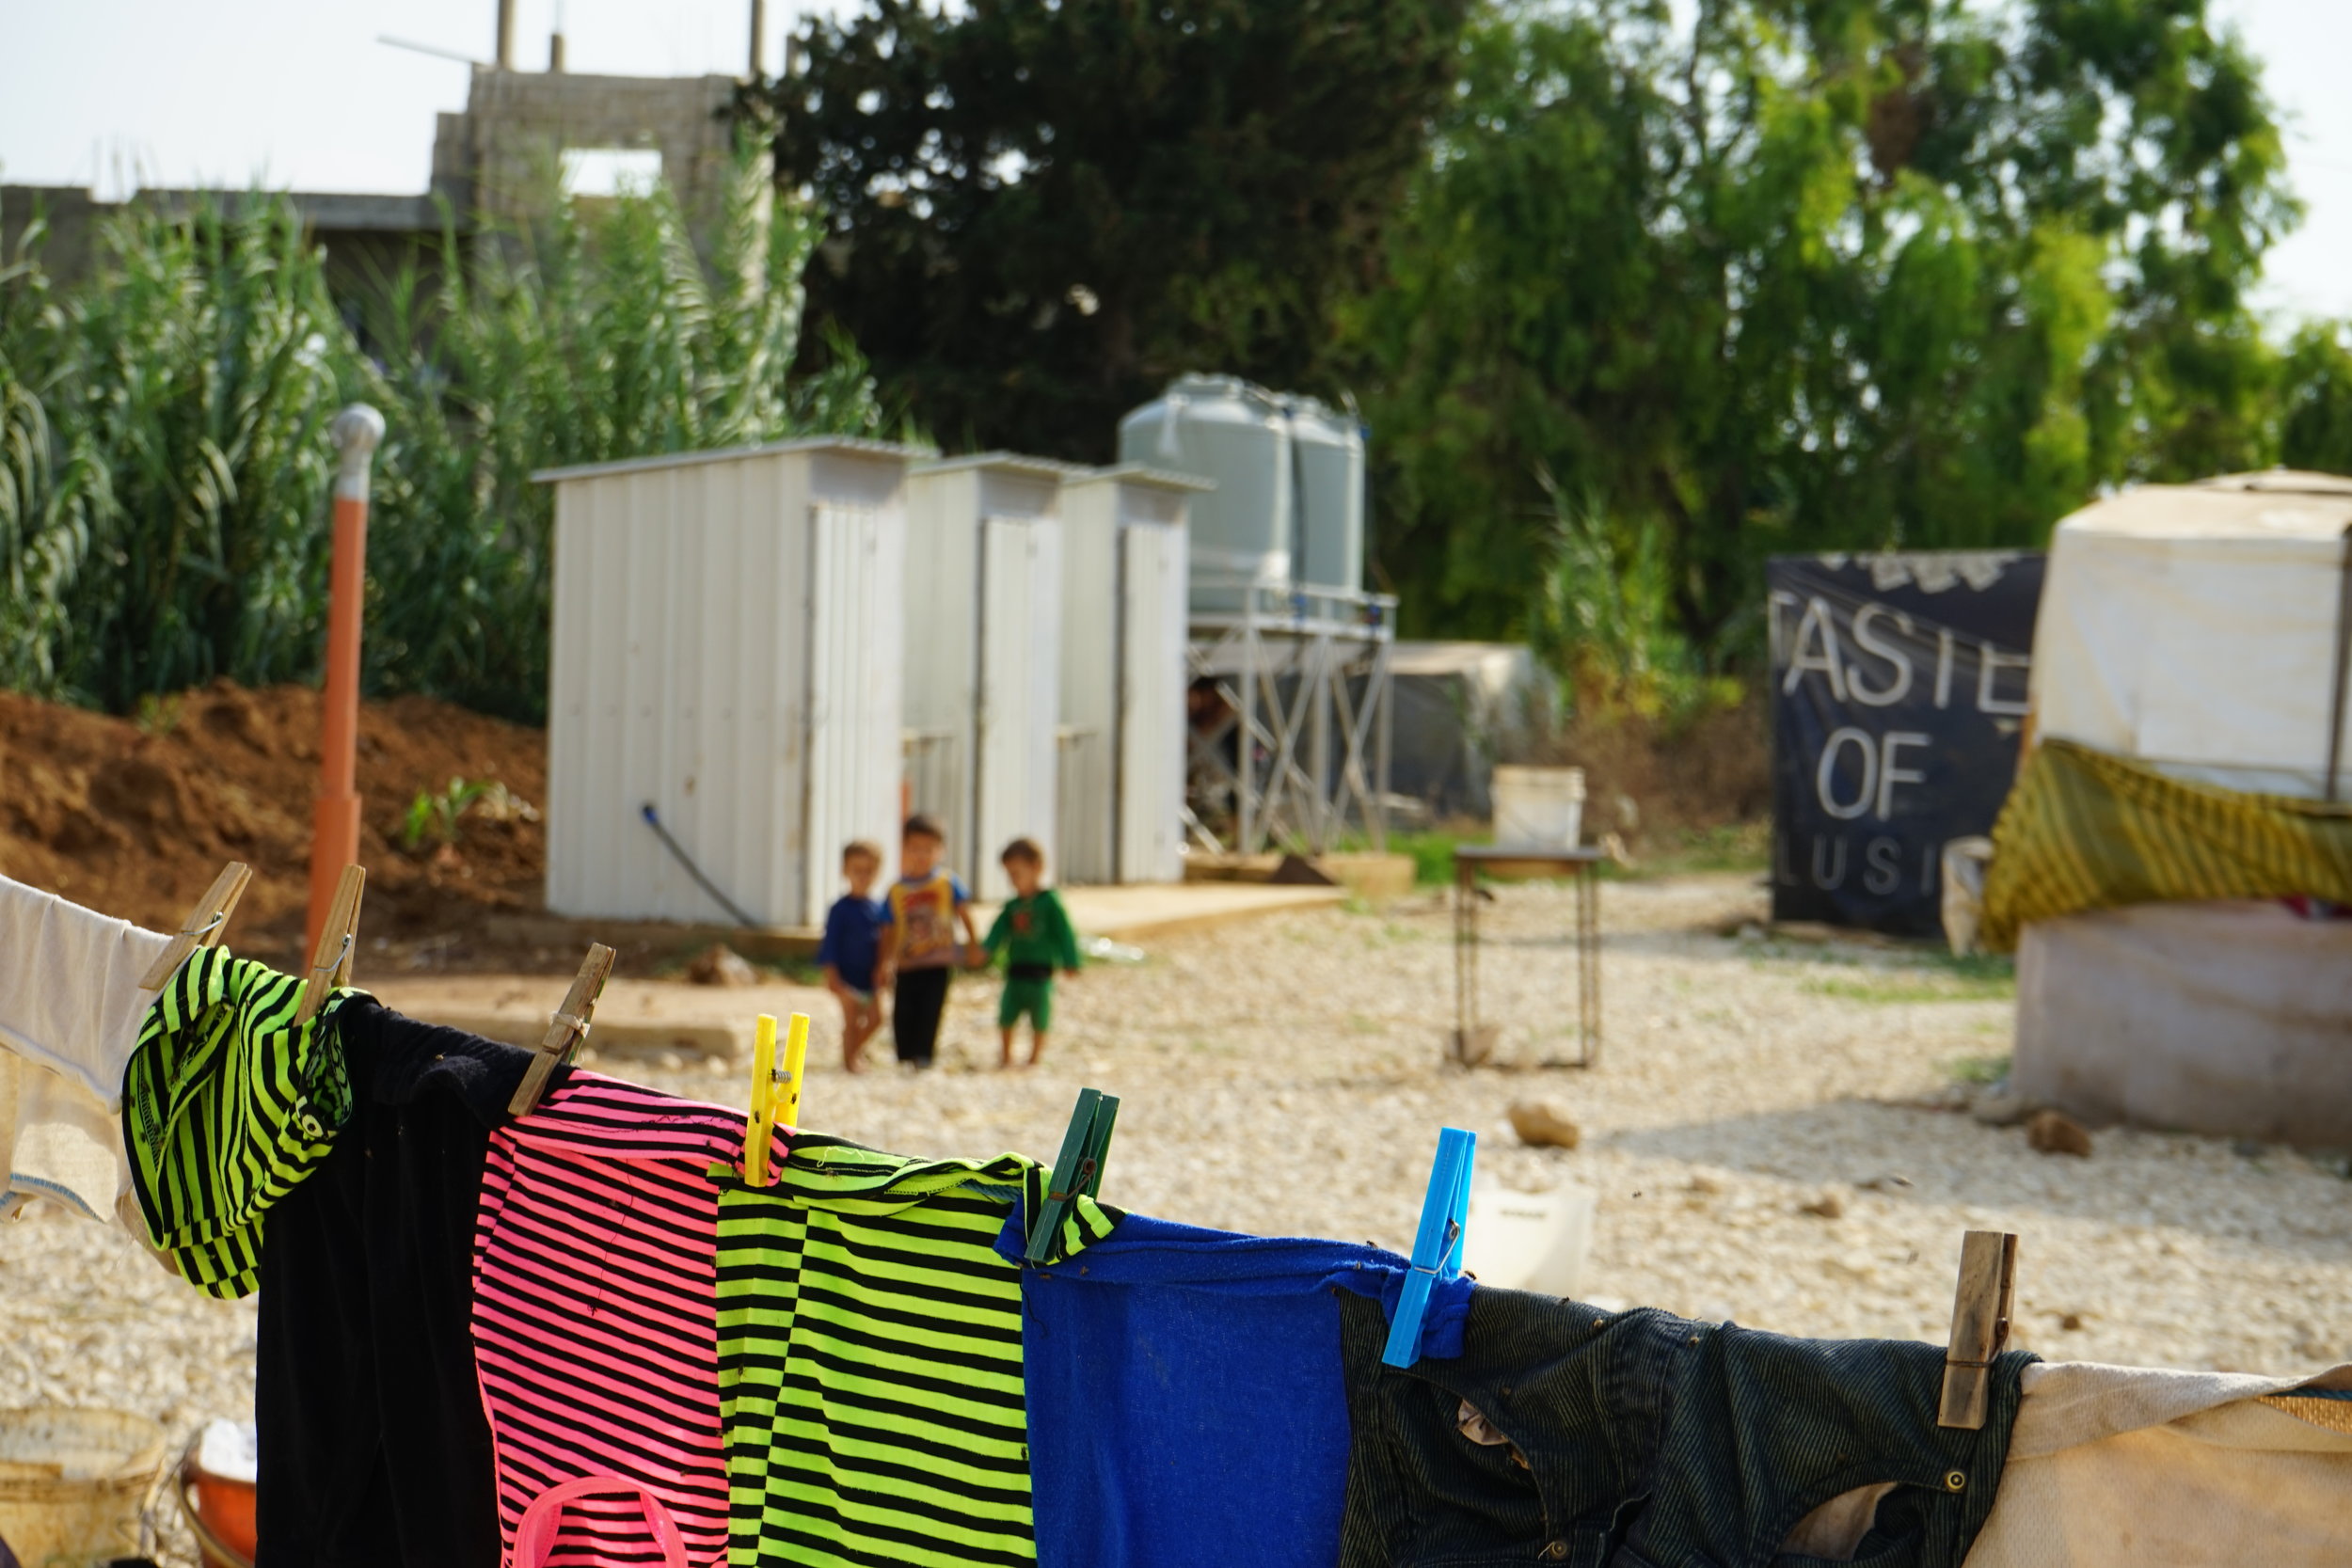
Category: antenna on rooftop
[434,49]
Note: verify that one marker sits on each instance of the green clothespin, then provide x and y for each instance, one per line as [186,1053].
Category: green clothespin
[1078,1170]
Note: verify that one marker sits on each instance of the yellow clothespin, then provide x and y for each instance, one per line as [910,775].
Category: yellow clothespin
[760,1128]
[775,1092]
[790,1081]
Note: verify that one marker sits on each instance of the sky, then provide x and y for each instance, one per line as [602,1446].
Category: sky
[297,93]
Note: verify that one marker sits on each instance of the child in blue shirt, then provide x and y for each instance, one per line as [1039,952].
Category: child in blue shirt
[852,942]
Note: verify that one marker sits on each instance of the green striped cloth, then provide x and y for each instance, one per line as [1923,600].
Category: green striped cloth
[227,1103]
[869,1359]
[2083,830]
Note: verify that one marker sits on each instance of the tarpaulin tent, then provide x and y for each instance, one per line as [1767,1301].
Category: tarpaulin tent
[2196,627]
[2188,701]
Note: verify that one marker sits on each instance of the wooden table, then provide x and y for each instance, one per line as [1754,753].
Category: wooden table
[1473,1041]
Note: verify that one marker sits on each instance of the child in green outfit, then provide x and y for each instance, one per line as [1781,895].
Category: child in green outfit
[1033,931]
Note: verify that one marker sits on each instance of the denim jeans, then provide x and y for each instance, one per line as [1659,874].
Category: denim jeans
[1643,1440]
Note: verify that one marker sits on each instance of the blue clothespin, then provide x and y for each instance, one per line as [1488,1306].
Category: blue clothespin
[1437,1248]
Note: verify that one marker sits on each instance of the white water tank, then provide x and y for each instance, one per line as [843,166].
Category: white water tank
[1288,508]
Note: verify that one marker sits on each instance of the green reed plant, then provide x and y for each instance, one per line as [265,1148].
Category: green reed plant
[163,524]
[165,471]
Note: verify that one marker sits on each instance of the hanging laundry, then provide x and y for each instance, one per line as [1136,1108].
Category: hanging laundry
[70,1010]
[595,1316]
[227,1104]
[1186,1400]
[2117,1466]
[1644,1437]
[869,1357]
[374,1448]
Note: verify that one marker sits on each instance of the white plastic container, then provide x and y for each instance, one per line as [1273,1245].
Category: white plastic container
[1539,808]
[1530,1240]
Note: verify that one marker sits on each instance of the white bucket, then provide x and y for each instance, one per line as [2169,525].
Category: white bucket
[1530,1240]
[1539,808]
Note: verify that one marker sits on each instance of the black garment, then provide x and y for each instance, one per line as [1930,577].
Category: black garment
[1651,1441]
[375,1452]
[919,997]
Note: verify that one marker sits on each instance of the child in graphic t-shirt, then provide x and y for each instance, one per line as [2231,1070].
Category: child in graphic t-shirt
[852,942]
[919,949]
[1033,931]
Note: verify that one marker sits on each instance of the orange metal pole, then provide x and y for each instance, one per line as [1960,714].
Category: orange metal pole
[335,823]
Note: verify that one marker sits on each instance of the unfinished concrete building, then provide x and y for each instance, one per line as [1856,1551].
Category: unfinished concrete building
[493,164]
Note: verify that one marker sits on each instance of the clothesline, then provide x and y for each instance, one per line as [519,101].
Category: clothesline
[584,1335]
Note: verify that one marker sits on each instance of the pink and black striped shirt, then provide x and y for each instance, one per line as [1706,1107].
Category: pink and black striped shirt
[595,1317]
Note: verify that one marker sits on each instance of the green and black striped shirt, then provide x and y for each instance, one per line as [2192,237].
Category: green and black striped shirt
[227,1103]
[870,1360]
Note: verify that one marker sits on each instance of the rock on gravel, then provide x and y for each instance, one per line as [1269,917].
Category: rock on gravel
[1545,1124]
[2055,1133]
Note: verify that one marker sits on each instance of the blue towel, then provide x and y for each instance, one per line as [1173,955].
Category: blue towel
[1185,1396]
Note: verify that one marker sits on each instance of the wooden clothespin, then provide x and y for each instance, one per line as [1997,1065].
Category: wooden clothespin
[1980,1316]
[566,1027]
[203,927]
[330,966]
[1085,1147]
[1437,1245]
[775,1092]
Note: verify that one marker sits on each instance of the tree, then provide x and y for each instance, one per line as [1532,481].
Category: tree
[2315,400]
[1813,275]
[1041,210]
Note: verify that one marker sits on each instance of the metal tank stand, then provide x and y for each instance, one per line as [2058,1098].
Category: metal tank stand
[1290,728]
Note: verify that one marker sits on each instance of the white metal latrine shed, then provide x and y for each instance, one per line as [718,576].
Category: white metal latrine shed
[725,649]
[1125,563]
[982,651]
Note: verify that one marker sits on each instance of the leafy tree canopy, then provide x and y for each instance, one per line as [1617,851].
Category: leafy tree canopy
[1043,209]
[1818,275]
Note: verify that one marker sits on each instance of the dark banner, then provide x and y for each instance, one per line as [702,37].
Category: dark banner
[1899,696]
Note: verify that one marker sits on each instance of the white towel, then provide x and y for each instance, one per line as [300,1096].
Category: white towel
[70,1011]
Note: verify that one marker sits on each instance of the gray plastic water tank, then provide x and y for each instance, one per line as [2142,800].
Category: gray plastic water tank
[1327,516]
[1288,508]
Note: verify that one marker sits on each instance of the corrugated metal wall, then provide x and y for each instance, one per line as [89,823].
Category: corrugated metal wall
[1151,677]
[1020,690]
[691,598]
[942,650]
[856,628]
[1089,681]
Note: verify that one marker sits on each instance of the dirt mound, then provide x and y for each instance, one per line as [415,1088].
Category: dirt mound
[134,818]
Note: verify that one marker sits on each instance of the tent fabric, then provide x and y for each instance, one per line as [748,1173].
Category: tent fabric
[2193,626]
[2083,831]
[2117,1466]
[2233,1019]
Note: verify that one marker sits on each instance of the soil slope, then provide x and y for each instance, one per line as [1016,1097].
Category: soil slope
[136,817]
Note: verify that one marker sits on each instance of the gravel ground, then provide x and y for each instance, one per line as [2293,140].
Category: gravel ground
[1284,1076]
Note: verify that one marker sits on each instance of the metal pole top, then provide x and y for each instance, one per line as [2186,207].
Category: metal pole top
[355,433]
